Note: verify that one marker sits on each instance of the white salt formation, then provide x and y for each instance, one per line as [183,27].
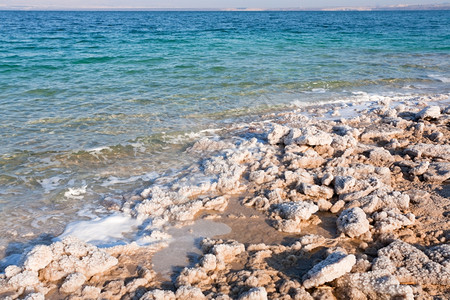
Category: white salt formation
[352,208]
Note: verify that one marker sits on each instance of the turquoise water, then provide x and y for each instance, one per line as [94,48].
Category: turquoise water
[97,104]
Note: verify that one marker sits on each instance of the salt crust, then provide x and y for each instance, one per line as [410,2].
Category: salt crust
[303,166]
[334,266]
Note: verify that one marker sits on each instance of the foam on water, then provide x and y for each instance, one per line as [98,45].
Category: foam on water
[106,231]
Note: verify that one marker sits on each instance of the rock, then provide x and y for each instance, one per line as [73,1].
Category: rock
[327,179]
[344,184]
[228,252]
[440,254]
[38,258]
[374,285]
[429,112]
[159,295]
[353,222]
[324,205]
[381,157]
[218,203]
[277,134]
[189,293]
[298,177]
[72,283]
[337,206]
[436,136]
[316,191]
[437,172]
[292,214]
[362,189]
[334,266]
[311,136]
[256,293]
[391,219]
[208,262]
[409,264]
[35,296]
[429,150]
[90,292]
[420,169]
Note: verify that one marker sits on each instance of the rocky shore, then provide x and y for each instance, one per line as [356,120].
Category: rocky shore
[320,206]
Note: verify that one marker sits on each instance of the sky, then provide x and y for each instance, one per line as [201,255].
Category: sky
[202,3]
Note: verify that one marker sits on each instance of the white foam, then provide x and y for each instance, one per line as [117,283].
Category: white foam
[106,231]
[76,193]
[440,78]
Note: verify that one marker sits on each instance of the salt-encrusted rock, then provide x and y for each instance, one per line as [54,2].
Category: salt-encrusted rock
[374,285]
[343,130]
[189,293]
[159,295]
[311,241]
[260,202]
[298,177]
[382,199]
[313,137]
[72,283]
[218,203]
[228,252]
[344,184]
[362,189]
[380,134]
[337,206]
[324,205]
[437,172]
[353,222]
[191,276]
[440,254]
[256,293]
[380,157]
[23,279]
[90,292]
[409,264]
[327,179]
[277,134]
[316,191]
[420,168]
[38,258]
[35,296]
[429,150]
[429,112]
[390,219]
[296,210]
[341,143]
[208,262]
[436,136]
[292,214]
[12,270]
[308,159]
[207,144]
[334,266]
[260,177]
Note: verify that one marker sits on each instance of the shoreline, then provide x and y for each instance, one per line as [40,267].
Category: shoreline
[361,199]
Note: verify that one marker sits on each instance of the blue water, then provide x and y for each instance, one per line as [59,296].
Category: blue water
[103,101]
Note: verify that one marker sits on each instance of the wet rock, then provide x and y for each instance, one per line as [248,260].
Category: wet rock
[409,264]
[429,112]
[353,222]
[207,144]
[334,266]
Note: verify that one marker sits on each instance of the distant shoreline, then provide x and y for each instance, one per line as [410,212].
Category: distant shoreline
[245,9]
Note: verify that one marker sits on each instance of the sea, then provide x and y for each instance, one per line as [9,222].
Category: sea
[97,105]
